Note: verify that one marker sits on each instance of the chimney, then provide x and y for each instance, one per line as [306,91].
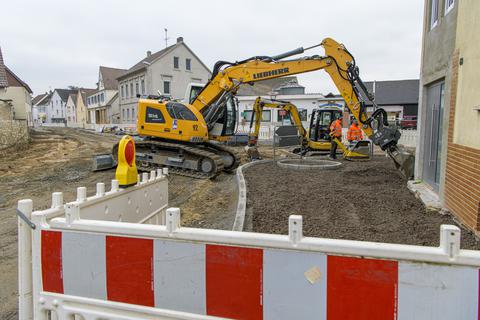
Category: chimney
[149,53]
[179,39]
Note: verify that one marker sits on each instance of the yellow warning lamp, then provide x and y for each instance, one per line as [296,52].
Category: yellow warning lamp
[126,173]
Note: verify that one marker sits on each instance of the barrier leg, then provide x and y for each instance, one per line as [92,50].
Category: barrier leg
[25,299]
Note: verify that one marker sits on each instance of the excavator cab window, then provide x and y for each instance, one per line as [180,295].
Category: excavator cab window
[229,117]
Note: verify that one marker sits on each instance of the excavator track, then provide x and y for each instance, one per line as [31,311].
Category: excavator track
[198,152]
[231,151]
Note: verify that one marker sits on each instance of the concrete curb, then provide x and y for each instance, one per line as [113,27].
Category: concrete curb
[308,164]
[242,195]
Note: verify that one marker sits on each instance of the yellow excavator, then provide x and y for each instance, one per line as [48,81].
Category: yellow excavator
[316,139]
[185,136]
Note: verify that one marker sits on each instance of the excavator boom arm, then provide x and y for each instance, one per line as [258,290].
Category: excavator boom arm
[337,62]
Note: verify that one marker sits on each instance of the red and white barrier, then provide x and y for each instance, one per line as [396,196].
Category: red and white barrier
[118,270]
[253,283]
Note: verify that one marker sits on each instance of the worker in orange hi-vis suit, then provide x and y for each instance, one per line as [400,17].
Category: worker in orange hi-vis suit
[354,133]
[335,132]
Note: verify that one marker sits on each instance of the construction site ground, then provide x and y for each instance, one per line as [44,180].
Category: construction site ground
[362,201]
[366,201]
[60,159]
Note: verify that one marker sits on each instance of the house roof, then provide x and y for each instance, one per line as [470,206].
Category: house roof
[395,92]
[149,60]
[142,64]
[109,77]
[74,98]
[85,92]
[262,88]
[64,93]
[10,79]
[39,98]
[3,72]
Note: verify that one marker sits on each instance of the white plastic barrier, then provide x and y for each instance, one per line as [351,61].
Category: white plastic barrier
[409,138]
[144,203]
[265,133]
[117,270]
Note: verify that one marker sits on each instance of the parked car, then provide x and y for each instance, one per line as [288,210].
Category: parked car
[408,122]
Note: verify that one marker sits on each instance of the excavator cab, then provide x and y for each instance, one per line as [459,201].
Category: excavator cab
[319,129]
[321,140]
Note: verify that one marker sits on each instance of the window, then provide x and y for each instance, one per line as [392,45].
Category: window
[131,90]
[166,87]
[103,97]
[283,115]
[128,114]
[433,13]
[123,93]
[179,111]
[123,114]
[266,115]
[194,91]
[153,115]
[136,88]
[449,5]
[303,113]
[143,86]
[188,65]
[175,62]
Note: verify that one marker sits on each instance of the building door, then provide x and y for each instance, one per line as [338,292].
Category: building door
[433,134]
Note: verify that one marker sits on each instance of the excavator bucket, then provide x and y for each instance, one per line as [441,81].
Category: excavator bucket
[362,150]
[404,161]
[103,162]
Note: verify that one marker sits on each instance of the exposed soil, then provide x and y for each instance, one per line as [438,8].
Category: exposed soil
[59,159]
[366,201]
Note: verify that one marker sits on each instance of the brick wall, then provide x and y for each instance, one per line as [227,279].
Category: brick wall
[462,178]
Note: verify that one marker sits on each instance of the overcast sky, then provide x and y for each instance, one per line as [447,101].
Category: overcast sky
[57,43]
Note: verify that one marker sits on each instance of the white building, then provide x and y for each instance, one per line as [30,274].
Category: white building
[56,111]
[15,99]
[284,89]
[71,110]
[103,104]
[168,71]
[39,107]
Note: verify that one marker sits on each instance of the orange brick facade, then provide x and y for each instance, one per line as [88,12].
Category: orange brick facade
[462,177]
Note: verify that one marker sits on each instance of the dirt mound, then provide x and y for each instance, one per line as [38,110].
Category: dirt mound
[366,201]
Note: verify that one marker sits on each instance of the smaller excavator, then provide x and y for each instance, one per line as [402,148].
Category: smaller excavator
[316,139]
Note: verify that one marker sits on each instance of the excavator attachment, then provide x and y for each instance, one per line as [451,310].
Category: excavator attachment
[358,152]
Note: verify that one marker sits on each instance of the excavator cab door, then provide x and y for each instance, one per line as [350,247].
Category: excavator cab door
[320,121]
[226,124]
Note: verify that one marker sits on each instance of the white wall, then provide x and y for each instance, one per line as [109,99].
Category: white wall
[71,112]
[159,71]
[162,70]
[301,101]
[21,102]
[56,109]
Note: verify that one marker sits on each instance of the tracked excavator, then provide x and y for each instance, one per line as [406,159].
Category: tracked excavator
[316,139]
[185,136]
